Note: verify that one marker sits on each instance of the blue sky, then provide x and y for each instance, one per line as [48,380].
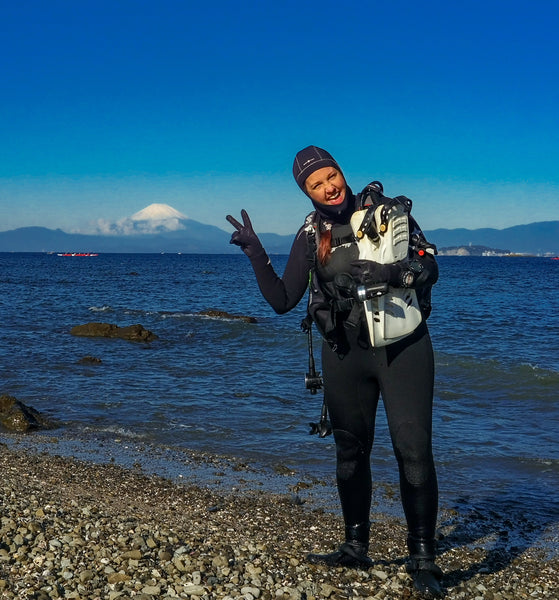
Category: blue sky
[107,107]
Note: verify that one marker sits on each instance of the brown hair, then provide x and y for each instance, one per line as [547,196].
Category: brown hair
[324,246]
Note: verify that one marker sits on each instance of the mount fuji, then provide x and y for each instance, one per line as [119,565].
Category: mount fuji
[156,228]
[158,212]
[155,218]
[158,217]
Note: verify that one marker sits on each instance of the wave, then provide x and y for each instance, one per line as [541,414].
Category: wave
[101,309]
[503,366]
[115,430]
[207,314]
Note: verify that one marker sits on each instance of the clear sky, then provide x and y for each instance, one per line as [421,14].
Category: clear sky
[109,106]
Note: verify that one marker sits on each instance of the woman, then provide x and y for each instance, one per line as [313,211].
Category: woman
[370,306]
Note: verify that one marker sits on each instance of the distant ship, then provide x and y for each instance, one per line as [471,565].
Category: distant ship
[77,254]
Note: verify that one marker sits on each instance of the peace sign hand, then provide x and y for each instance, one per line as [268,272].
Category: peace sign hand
[244,236]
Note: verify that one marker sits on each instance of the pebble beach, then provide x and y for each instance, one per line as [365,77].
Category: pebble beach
[74,529]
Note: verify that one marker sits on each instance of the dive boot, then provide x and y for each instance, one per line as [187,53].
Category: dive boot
[352,553]
[425,573]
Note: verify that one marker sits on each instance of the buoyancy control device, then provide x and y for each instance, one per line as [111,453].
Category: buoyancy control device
[382,231]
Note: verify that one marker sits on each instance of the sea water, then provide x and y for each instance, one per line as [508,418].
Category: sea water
[234,388]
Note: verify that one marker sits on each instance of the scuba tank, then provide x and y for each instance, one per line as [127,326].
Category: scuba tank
[381,229]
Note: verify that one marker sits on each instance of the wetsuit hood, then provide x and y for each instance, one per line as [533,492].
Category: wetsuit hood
[307,161]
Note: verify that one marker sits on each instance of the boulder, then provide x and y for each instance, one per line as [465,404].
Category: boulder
[133,333]
[221,314]
[89,360]
[16,416]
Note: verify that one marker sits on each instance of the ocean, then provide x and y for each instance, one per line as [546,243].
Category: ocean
[226,387]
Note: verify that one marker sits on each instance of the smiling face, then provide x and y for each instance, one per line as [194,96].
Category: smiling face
[326,186]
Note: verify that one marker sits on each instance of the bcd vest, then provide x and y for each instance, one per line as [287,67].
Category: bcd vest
[379,231]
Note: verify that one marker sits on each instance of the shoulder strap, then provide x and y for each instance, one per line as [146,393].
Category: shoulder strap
[370,199]
[310,229]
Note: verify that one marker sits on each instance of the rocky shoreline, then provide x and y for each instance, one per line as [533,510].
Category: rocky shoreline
[73,529]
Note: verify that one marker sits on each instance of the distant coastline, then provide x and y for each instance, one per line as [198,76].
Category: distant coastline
[190,237]
[482,251]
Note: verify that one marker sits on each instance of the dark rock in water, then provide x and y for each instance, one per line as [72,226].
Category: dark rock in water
[134,333]
[89,360]
[16,416]
[221,314]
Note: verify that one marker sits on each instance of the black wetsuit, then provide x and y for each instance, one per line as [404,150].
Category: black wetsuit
[402,373]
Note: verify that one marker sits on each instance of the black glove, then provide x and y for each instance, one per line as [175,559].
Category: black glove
[369,271]
[245,236]
[400,274]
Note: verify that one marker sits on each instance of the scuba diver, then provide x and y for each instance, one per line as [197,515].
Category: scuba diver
[371,271]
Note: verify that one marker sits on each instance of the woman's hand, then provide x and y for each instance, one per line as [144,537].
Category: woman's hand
[402,274]
[244,236]
[368,271]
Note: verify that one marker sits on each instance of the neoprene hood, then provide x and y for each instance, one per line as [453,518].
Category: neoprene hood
[308,160]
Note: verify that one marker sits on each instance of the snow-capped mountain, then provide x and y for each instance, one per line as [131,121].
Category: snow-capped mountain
[155,228]
[158,212]
[158,218]
[155,218]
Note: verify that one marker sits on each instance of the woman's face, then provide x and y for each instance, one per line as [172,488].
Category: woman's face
[326,186]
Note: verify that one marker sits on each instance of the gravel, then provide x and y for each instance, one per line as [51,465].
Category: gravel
[73,529]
